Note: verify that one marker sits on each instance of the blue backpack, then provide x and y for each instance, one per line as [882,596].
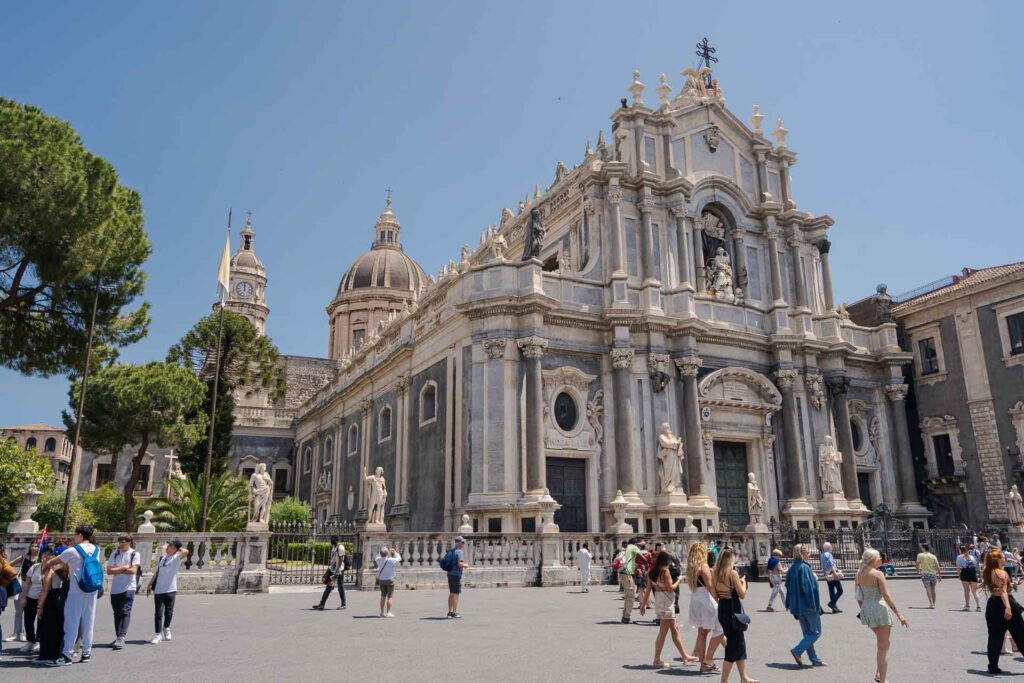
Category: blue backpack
[91,578]
[447,563]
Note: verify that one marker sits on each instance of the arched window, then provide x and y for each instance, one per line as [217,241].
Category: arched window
[353,440]
[30,443]
[428,403]
[50,446]
[328,450]
[384,424]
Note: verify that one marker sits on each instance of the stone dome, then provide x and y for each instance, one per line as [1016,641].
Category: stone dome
[385,265]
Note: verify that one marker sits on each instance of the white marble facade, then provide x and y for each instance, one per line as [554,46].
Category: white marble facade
[677,282]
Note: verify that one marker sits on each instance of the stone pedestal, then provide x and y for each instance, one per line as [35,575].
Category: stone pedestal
[836,508]
[800,513]
[253,576]
[25,524]
[671,506]
[375,528]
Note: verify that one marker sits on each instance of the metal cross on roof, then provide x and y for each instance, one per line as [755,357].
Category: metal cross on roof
[706,54]
[388,191]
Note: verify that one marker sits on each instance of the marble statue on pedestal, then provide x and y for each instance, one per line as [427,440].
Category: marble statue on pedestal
[829,461]
[670,457]
[376,496]
[261,492]
[1016,506]
[755,501]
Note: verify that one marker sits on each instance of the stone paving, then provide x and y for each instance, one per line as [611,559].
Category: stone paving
[523,634]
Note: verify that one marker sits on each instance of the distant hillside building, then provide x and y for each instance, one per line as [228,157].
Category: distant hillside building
[49,442]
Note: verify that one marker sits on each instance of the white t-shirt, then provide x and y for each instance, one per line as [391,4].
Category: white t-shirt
[35,576]
[167,574]
[387,567]
[73,560]
[122,583]
[583,558]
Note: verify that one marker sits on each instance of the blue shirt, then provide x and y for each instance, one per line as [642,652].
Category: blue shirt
[459,557]
[827,563]
[773,562]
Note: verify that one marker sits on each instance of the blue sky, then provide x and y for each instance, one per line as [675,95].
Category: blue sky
[905,117]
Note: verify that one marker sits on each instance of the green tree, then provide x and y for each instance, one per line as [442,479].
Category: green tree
[249,363]
[135,405]
[51,510]
[107,506]
[19,468]
[67,228]
[289,511]
[229,504]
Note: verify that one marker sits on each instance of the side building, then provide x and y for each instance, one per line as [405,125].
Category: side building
[49,442]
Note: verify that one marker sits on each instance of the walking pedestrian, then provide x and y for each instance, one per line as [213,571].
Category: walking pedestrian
[660,582]
[387,567]
[84,572]
[124,566]
[804,602]
[927,566]
[458,564]
[675,570]
[164,587]
[32,588]
[968,570]
[50,612]
[877,609]
[23,566]
[334,577]
[583,559]
[627,578]
[8,573]
[703,611]
[775,579]
[1002,612]
[833,578]
[731,588]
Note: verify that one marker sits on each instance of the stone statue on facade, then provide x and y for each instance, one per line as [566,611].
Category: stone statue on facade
[670,457]
[829,462]
[755,501]
[883,303]
[534,235]
[376,496]
[324,482]
[1016,506]
[261,492]
[720,275]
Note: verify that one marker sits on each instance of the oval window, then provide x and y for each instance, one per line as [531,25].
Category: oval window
[566,414]
[858,438]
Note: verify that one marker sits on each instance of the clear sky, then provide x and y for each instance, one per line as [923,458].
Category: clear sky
[906,119]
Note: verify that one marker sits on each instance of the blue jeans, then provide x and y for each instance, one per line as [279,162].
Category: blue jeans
[810,626]
[835,591]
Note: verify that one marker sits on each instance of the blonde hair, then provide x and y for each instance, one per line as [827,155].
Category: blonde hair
[723,565]
[697,558]
[798,551]
[868,559]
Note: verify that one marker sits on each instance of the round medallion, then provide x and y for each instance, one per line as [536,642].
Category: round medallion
[566,413]
[705,413]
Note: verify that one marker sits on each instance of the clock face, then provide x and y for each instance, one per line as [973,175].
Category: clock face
[243,289]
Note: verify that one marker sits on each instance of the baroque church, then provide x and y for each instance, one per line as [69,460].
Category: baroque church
[655,328]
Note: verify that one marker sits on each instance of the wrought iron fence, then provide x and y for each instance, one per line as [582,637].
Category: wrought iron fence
[300,553]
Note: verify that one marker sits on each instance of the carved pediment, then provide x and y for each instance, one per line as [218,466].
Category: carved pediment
[740,387]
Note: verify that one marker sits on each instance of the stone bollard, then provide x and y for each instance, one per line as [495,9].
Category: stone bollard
[147,526]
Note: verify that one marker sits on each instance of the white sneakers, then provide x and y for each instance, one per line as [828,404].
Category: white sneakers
[159,638]
[167,634]
[30,648]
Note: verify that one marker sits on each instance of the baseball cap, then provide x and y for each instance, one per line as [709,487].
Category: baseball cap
[459,539]
[176,543]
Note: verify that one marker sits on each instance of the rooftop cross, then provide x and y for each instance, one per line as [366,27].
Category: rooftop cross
[707,58]
[387,191]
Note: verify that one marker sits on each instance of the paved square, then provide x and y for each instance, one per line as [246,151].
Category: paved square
[532,634]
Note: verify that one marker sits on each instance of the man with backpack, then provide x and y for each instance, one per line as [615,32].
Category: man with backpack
[335,575]
[453,562]
[125,569]
[85,579]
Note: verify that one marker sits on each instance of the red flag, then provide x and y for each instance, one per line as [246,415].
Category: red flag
[42,538]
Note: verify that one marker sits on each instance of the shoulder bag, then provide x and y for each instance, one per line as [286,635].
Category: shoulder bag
[740,618]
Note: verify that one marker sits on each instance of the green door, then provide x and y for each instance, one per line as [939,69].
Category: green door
[731,476]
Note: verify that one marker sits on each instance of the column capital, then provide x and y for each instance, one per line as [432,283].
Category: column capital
[896,392]
[823,246]
[646,205]
[772,233]
[622,359]
[679,211]
[614,196]
[532,347]
[688,366]
[402,385]
[656,362]
[366,405]
[785,378]
[495,348]
[838,385]
[589,208]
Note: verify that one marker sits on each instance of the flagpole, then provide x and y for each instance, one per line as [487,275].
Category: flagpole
[213,409]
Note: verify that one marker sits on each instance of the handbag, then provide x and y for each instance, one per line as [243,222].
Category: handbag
[328,578]
[740,618]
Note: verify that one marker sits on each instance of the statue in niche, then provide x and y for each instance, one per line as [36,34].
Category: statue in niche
[659,380]
[719,275]
[324,483]
[261,492]
[829,462]
[755,501]
[1016,505]
[376,496]
[534,235]
[670,457]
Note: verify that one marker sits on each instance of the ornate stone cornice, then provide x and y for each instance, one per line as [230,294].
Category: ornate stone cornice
[785,378]
[838,385]
[495,348]
[532,347]
[688,366]
[656,362]
[622,358]
[896,392]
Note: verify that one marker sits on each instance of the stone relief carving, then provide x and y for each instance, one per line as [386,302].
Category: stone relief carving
[323,484]
[495,348]
[874,431]
[719,275]
[721,386]
[595,412]
[712,136]
[657,363]
[815,392]
[532,347]
[768,444]
[896,392]
[622,358]
[576,383]
[709,448]
[688,366]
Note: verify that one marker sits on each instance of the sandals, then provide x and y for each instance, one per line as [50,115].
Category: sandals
[661,665]
[710,668]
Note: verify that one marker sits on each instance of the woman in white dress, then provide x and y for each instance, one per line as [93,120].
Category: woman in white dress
[703,614]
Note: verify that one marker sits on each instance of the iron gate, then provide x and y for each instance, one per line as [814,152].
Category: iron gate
[300,553]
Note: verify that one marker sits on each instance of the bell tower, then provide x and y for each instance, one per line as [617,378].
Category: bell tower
[247,295]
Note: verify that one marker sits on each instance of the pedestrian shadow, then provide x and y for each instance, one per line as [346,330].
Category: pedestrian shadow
[611,622]
[787,666]
[12,662]
[980,672]
[136,642]
[678,670]
[375,616]
[421,618]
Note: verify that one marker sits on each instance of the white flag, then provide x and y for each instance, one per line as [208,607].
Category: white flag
[224,271]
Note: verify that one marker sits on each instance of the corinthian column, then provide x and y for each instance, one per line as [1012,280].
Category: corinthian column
[838,387]
[775,265]
[688,368]
[791,438]
[698,254]
[826,274]
[897,394]
[532,349]
[618,258]
[682,254]
[625,459]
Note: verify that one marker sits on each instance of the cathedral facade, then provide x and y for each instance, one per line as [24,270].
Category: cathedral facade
[655,330]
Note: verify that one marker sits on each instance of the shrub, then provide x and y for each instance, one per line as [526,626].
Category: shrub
[17,466]
[51,509]
[321,555]
[107,506]
[289,512]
